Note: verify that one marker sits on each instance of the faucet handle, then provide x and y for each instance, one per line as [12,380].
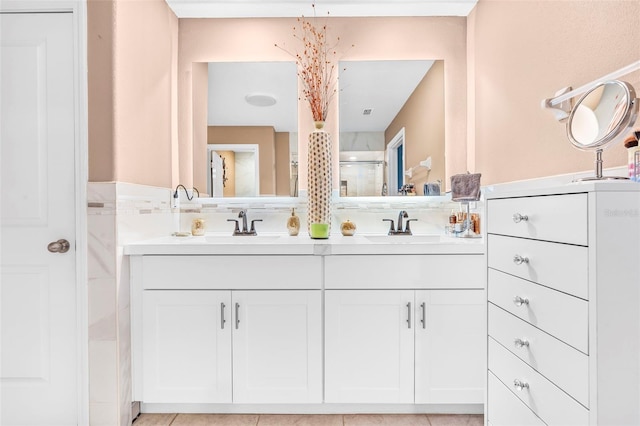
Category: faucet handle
[253,227]
[392,228]
[237,229]
[407,229]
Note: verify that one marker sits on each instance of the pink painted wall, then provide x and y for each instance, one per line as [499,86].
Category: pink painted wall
[423,118]
[100,59]
[207,40]
[521,52]
[132,49]
[504,59]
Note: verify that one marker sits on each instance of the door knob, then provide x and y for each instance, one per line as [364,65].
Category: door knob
[60,246]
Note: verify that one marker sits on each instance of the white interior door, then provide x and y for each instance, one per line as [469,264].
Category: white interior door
[38,370]
[395,162]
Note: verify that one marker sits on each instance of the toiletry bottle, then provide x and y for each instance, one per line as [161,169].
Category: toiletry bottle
[631,143]
[452,218]
[197,227]
[475,219]
[293,223]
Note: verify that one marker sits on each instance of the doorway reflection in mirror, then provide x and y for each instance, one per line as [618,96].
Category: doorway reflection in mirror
[392,110]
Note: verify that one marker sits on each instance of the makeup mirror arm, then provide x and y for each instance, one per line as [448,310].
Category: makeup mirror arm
[558,102]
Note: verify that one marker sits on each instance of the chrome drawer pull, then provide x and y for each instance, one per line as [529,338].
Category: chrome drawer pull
[237,315]
[520,385]
[517,217]
[222,320]
[519,260]
[519,301]
[521,343]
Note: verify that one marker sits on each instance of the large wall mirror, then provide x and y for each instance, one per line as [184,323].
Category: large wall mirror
[392,126]
[252,129]
[443,39]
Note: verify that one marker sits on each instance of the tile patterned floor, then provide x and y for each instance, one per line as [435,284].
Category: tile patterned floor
[309,420]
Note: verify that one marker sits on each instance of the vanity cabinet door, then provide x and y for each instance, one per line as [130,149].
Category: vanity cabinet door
[450,349]
[186,346]
[277,346]
[369,343]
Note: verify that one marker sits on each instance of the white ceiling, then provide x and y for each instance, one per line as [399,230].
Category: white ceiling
[365,85]
[230,82]
[382,86]
[295,8]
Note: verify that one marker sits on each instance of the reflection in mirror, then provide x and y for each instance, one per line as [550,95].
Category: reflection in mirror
[602,117]
[233,170]
[252,104]
[391,121]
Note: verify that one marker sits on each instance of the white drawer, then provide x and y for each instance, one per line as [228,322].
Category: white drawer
[563,365]
[560,266]
[505,409]
[406,271]
[561,315]
[231,272]
[561,218]
[548,401]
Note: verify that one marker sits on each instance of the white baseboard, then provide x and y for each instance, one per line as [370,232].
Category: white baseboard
[315,408]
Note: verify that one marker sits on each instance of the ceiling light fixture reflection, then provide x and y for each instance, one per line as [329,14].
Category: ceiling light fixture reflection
[260,99]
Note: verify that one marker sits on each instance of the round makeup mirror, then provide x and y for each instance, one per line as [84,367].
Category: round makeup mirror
[601,118]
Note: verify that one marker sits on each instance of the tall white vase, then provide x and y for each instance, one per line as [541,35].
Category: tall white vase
[319,177]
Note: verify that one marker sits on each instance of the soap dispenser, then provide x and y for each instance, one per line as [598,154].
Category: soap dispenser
[293,223]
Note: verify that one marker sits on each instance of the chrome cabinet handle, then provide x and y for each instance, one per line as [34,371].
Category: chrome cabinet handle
[517,218]
[519,260]
[520,385]
[424,315]
[519,301]
[409,314]
[60,246]
[521,342]
[222,320]
[237,315]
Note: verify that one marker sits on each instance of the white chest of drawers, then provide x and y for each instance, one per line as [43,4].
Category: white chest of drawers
[563,305]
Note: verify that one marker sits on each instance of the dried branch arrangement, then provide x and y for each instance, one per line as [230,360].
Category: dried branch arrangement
[316,64]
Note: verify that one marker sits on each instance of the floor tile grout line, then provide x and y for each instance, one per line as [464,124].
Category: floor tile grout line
[175,416]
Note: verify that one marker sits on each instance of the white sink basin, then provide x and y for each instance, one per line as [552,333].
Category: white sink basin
[403,239]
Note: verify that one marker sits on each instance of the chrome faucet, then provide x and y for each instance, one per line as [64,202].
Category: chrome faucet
[245,229]
[400,230]
[243,215]
[402,214]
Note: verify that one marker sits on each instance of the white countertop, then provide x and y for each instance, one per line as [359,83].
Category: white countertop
[510,190]
[283,244]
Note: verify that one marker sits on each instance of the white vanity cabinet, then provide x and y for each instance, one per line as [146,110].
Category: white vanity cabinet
[404,329]
[450,346]
[277,346]
[198,339]
[186,346]
[563,293]
[369,345]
